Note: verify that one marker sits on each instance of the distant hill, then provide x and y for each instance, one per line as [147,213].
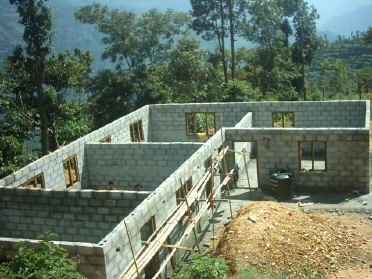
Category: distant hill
[68,32]
[352,51]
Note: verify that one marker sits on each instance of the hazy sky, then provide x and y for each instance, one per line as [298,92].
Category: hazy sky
[331,8]
[326,8]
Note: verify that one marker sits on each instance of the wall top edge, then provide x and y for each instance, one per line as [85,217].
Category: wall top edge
[144,143]
[264,102]
[281,130]
[72,192]
[63,243]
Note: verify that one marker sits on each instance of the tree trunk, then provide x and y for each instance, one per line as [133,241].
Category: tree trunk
[232,39]
[44,130]
[223,42]
[302,85]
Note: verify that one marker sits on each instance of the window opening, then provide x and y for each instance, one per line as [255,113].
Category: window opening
[283,119]
[136,131]
[71,172]
[312,156]
[106,139]
[200,122]
[146,231]
[36,182]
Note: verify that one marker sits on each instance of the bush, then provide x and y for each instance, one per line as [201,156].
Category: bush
[47,261]
[255,274]
[201,267]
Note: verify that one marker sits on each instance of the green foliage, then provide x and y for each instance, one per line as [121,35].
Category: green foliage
[353,51]
[201,267]
[367,37]
[134,42]
[45,261]
[255,274]
[35,79]
[13,155]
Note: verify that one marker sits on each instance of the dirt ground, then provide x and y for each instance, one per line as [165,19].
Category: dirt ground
[275,237]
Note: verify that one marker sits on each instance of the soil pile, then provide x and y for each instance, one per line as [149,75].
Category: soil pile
[275,238]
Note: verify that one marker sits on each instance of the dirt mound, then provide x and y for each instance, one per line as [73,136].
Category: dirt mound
[275,238]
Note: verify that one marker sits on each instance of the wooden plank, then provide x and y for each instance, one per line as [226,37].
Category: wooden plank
[172,246]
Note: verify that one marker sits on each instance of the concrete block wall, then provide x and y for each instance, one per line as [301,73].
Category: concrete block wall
[347,156]
[80,216]
[160,204]
[127,165]
[168,121]
[313,114]
[89,257]
[51,165]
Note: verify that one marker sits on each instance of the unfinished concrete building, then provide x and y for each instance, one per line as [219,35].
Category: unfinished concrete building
[167,159]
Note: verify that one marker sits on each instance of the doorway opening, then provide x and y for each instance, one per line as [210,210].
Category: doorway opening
[246,162]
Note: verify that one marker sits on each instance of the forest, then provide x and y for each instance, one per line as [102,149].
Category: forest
[51,96]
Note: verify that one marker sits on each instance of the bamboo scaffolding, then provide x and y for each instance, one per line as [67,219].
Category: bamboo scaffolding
[145,257]
[165,221]
[146,254]
[224,171]
[189,228]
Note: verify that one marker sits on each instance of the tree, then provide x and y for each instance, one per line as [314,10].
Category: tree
[36,80]
[307,41]
[337,78]
[209,19]
[135,42]
[186,74]
[13,155]
[272,24]
[364,81]
[219,19]
[367,37]
[139,45]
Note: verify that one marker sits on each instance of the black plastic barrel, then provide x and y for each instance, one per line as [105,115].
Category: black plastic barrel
[281,184]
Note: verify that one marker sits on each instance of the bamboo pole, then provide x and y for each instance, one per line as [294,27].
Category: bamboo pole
[246,170]
[131,248]
[171,246]
[212,199]
[224,170]
[190,216]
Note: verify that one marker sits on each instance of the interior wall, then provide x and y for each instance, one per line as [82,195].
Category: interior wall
[79,216]
[128,165]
